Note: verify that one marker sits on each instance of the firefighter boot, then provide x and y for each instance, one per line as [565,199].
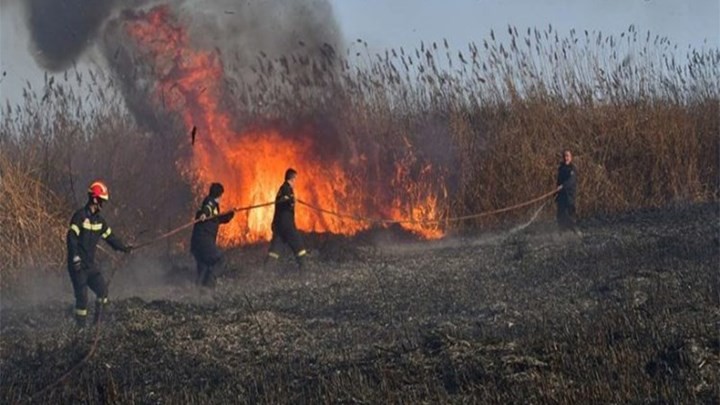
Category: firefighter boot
[209,280]
[270,262]
[100,310]
[80,317]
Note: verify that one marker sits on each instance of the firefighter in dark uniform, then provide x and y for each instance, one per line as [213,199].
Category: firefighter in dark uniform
[87,226]
[566,189]
[283,225]
[203,244]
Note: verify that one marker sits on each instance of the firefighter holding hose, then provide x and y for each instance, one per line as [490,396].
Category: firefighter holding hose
[87,227]
[283,224]
[203,243]
[566,190]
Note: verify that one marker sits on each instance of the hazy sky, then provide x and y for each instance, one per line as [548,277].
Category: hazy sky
[393,23]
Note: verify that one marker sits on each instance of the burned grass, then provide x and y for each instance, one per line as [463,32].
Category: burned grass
[626,313]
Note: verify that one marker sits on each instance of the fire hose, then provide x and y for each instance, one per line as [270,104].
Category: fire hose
[383,221]
[191,223]
[430,221]
[354,217]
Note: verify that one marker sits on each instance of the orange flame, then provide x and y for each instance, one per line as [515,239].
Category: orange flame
[251,164]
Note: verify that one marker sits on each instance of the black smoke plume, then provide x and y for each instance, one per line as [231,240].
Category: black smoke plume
[61,30]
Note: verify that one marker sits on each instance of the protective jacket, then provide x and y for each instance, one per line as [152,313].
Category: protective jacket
[86,229]
[203,241]
[283,225]
[567,177]
[284,217]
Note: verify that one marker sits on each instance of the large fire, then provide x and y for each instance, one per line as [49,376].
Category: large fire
[251,164]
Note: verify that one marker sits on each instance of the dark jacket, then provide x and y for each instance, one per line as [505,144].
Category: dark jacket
[204,233]
[567,177]
[85,231]
[284,216]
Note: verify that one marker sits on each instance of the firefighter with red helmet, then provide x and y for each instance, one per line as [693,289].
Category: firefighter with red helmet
[203,243]
[283,224]
[87,227]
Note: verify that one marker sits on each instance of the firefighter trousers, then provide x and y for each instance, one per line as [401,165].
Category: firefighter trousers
[83,279]
[565,214]
[292,238]
[206,265]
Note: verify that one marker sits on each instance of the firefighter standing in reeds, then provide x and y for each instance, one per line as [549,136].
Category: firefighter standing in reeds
[283,224]
[566,189]
[203,244]
[87,226]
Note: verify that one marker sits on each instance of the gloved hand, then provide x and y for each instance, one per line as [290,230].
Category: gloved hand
[76,263]
[127,248]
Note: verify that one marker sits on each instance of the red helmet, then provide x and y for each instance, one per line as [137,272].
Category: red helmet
[98,189]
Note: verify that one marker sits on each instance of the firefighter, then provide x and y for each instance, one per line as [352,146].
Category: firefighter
[203,244]
[87,226]
[566,189]
[283,225]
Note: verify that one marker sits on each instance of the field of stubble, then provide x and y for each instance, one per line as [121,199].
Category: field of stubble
[626,313]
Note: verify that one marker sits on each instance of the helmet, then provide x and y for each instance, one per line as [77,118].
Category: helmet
[98,189]
[290,174]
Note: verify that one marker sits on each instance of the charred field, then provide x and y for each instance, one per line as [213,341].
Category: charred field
[625,313]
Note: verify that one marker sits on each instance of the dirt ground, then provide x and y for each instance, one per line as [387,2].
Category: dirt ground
[628,312]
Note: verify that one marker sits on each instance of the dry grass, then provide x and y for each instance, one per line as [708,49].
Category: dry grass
[32,231]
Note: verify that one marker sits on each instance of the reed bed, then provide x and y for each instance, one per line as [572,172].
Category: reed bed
[492,116]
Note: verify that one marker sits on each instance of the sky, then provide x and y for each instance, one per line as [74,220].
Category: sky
[394,23]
